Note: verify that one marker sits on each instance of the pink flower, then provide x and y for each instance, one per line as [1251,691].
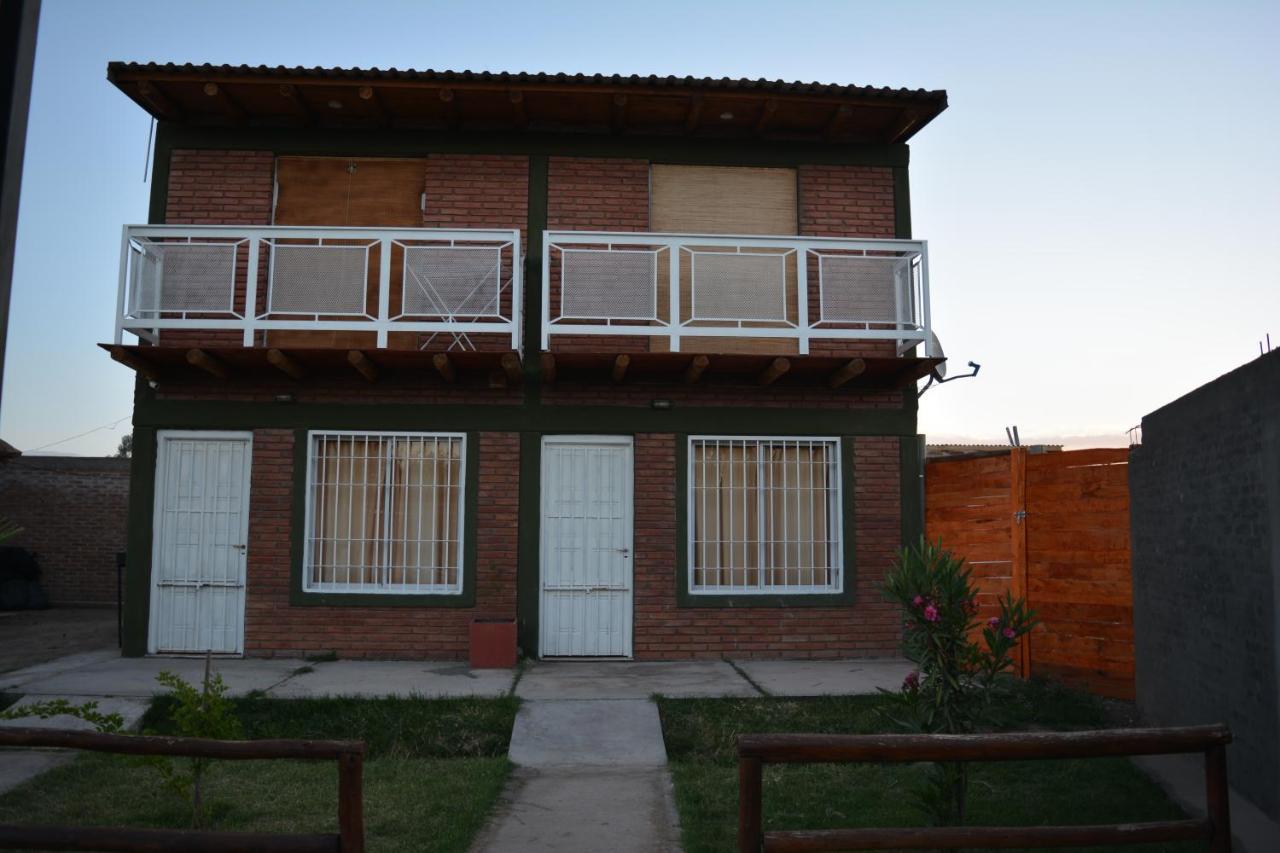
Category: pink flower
[912,681]
[1009,633]
[917,601]
[931,614]
[993,622]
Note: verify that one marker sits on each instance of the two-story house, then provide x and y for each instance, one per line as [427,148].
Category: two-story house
[629,360]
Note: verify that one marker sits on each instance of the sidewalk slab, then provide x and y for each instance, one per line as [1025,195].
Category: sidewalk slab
[826,677]
[577,811]
[57,666]
[21,765]
[119,676]
[374,678]
[614,733]
[130,708]
[630,680]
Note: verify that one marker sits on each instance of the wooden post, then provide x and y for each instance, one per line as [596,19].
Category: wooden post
[852,370]
[750,817]
[776,368]
[511,366]
[201,359]
[1018,543]
[363,364]
[620,365]
[444,366]
[286,365]
[694,371]
[351,802]
[1218,798]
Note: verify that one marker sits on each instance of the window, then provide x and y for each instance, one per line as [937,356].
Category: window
[384,513]
[764,515]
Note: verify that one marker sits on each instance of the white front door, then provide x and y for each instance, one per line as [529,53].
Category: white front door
[201,533]
[586,546]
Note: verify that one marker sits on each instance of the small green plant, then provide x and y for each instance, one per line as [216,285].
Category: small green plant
[105,723]
[954,684]
[203,712]
[8,529]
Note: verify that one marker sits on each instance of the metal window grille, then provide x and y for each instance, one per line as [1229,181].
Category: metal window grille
[384,512]
[183,277]
[764,515]
[316,279]
[862,289]
[739,286]
[452,281]
[608,284]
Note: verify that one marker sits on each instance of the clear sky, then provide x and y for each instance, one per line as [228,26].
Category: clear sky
[1101,200]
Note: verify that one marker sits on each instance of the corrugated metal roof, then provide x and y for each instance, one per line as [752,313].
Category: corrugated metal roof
[781,87]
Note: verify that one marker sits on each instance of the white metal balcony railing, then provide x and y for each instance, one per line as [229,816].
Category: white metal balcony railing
[696,285]
[379,280]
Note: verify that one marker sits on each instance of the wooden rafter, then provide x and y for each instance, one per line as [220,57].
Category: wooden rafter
[363,365]
[290,93]
[286,364]
[853,369]
[370,96]
[694,371]
[451,105]
[139,365]
[766,116]
[770,374]
[229,106]
[155,96]
[694,115]
[445,367]
[618,113]
[837,120]
[511,367]
[620,365]
[903,124]
[199,358]
[517,108]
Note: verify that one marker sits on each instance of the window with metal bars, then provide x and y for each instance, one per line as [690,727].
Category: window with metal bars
[384,512]
[764,515]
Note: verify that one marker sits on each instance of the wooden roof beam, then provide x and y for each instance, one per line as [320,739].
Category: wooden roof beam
[286,364]
[155,96]
[853,369]
[370,96]
[289,92]
[517,108]
[903,124]
[620,365]
[451,105]
[445,367]
[618,113]
[837,120]
[766,116]
[229,106]
[363,365]
[136,363]
[511,366]
[697,365]
[201,359]
[548,362]
[770,374]
[694,115]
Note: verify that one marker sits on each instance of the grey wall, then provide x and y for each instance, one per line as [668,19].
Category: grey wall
[1205,492]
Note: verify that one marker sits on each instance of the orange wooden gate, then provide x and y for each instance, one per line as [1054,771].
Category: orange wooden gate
[1053,528]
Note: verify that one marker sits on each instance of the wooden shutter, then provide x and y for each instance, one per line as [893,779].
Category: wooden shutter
[723,200]
[333,191]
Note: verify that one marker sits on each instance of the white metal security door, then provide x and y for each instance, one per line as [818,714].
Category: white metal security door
[201,530]
[586,543]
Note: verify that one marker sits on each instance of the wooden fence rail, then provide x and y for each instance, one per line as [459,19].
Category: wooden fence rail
[754,751]
[1052,528]
[348,754]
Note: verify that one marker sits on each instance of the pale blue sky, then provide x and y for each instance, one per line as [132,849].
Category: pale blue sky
[1101,201]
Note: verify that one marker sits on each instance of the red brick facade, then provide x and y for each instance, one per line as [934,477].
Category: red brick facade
[275,627]
[72,512]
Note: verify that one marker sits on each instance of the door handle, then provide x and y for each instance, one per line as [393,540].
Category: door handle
[623,551]
[241,548]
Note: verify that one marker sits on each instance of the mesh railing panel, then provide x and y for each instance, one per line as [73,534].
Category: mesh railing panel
[309,279]
[603,284]
[452,281]
[184,277]
[744,286]
[861,289]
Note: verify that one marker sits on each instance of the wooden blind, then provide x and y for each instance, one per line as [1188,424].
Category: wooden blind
[342,191]
[723,200]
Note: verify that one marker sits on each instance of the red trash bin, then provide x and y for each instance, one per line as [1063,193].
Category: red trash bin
[493,643]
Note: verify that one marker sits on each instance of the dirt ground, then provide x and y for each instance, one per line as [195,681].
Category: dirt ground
[34,636]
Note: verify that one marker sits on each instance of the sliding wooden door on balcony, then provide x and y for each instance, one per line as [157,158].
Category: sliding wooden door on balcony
[337,191]
[725,200]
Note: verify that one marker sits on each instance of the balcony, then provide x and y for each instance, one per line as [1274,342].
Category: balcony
[212,290]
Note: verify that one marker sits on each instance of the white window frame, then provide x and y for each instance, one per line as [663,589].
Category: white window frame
[381,587]
[835,521]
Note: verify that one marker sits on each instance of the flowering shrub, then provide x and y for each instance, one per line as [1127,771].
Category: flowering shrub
[951,689]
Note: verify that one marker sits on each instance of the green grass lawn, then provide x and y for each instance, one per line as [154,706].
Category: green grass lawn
[433,770]
[701,735]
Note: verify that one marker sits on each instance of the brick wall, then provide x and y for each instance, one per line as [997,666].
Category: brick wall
[663,631]
[73,515]
[1204,488]
[597,194]
[275,627]
[846,201]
